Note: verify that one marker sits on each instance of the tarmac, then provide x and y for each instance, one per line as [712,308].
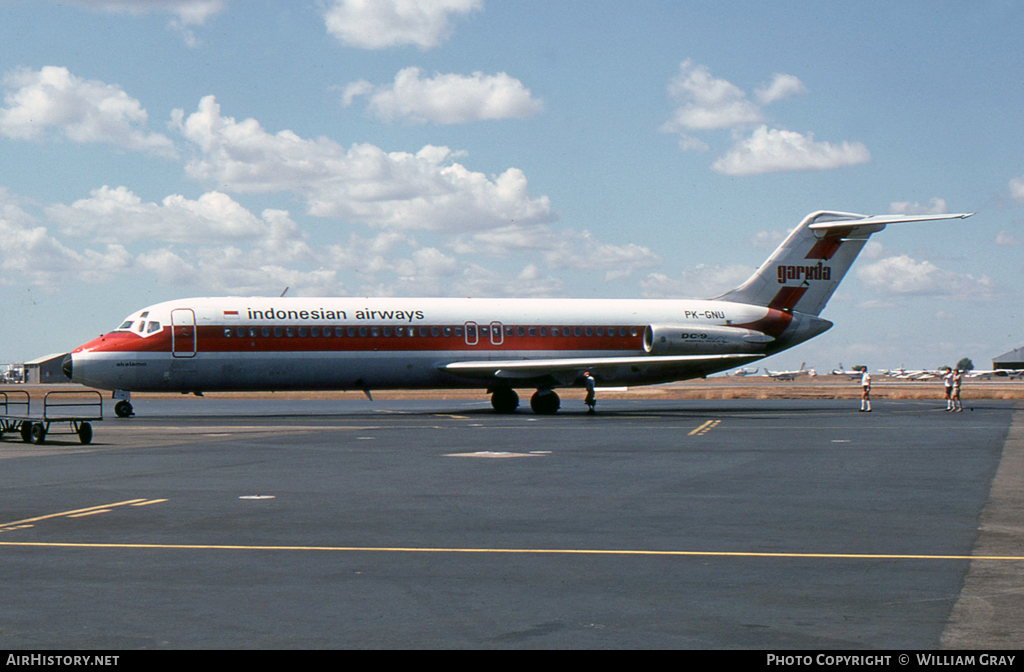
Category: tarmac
[425,523]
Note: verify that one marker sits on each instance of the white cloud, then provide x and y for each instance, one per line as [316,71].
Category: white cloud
[1017,189]
[772,150]
[83,111]
[187,13]
[1004,238]
[118,215]
[782,86]
[700,282]
[28,253]
[379,24]
[363,183]
[190,12]
[566,248]
[478,281]
[902,275]
[707,102]
[936,206]
[447,98]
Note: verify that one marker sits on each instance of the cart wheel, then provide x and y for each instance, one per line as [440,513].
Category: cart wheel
[26,431]
[85,432]
[38,432]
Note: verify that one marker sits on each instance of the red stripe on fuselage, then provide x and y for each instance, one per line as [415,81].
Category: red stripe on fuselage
[773,324]
[214,339]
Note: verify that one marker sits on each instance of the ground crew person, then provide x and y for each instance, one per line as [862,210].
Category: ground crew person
[958,379]
[865,391]
[591,400]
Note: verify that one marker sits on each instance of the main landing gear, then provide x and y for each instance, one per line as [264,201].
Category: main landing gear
[543,402]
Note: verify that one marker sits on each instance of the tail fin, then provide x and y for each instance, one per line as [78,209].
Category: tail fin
[805,270]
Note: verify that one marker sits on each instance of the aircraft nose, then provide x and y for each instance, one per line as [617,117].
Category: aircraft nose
[67,367]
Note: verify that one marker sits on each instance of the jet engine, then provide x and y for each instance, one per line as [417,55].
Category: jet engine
[702,340]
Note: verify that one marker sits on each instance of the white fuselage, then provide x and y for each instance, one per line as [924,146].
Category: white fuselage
[233,344]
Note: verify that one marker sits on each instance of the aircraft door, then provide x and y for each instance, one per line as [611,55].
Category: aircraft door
[183,332]
[497,333]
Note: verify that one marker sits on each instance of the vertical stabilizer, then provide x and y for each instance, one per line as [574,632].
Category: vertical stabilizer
[804,271]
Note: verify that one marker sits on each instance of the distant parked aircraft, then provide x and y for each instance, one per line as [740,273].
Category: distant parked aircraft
[852,373]
[791,375]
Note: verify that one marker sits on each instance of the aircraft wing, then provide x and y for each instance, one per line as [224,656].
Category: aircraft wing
[568,368]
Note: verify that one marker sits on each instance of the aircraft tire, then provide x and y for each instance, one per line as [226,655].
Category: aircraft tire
[505,401]
[85,433]
[545,402]
[123,409]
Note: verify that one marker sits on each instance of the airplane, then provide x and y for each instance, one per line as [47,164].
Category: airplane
[852,373]
[199,345]
[743,373]
[790,375]
[987,374]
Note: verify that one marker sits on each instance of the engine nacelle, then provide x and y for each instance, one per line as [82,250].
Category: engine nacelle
[702,340]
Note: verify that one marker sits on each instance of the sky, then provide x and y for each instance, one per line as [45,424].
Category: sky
[159,149]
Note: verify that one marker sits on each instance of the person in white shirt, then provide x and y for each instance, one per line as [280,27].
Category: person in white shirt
[947,381]
[865,391]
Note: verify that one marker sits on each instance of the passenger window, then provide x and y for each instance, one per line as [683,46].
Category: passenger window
[265,332]
[289,332]
[363,332]
[577,331]
[340,331]
[228,332]
[633,331]
[600,331]
[278,332]
[302,332]
[520,331]
[387,332]
[554,331]
[314,332]
[434,331]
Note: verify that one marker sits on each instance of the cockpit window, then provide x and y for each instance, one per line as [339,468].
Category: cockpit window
[127,325]
[153,327]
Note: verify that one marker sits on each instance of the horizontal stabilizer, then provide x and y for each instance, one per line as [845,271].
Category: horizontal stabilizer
[847,219]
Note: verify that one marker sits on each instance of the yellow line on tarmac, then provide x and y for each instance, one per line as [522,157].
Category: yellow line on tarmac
[704,426]
[518,551]
[70,513]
